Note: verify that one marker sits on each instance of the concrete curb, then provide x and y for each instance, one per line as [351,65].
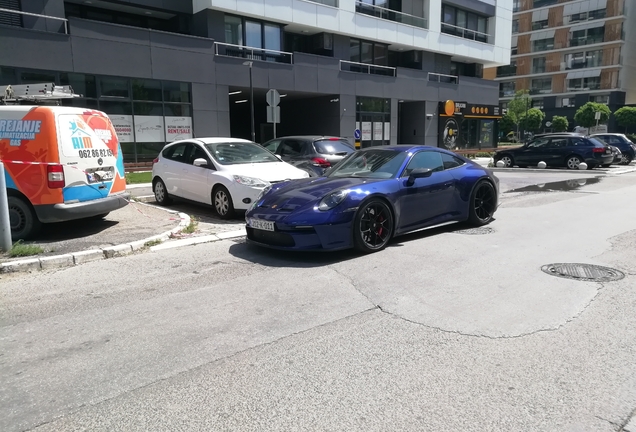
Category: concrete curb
[77,258]
[199,240]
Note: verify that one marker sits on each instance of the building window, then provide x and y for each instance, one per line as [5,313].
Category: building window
[538,65]
[541,85]
[568,103]
[590,15]
[541,3]
[537,103]
[580,84]
[515,26]
[253,34]
[604,99]
[467,69]
[543,44]
[587,36]
[114,87]
[538,25]
[368,52]
[582,59]
[86,85]
[516,5]
[469,25]
[507,89]
[506,71]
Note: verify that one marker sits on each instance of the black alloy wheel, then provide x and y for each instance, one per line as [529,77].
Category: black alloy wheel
[483,203]
[373,226]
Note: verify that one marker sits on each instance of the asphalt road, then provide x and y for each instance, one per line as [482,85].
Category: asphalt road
[444,330]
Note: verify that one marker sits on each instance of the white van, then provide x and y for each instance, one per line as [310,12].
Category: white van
[61,163]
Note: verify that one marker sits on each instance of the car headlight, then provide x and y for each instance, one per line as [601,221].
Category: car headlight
[250,181]
[332,200]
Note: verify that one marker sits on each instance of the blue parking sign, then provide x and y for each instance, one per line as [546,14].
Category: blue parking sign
[357,134]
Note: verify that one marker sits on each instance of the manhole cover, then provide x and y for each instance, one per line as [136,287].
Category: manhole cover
[583,272]
[476,231]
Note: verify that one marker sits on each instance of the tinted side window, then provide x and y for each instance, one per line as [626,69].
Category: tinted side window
[580,142]
[175,152]
[559,142]
[425,159]
[333,146]
[538,143]
[451,161]
[196,152]
[291,148]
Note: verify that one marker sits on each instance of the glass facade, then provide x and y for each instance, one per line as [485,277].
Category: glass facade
[373,119]
[146,113]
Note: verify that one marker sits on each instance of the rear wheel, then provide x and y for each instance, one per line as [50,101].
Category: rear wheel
[573,162]
[482,204]
[161,192]
[626,159]
[22,219]
[222,201]
[373,226]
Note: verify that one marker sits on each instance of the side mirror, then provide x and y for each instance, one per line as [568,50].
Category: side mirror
[200,162]
[418,173]
[280,158]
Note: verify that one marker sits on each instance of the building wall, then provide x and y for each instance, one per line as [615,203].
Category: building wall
[628,74]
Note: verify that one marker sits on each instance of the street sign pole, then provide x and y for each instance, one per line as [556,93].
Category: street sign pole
[5,225]
[273,99]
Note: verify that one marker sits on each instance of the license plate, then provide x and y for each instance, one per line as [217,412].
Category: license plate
[262,224]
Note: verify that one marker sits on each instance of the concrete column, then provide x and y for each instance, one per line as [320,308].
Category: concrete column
[347,116]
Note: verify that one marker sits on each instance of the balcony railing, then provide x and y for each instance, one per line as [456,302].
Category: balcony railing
[349,66]
[586,41]
[443,78]
[332,3]
[506,71]
[536,91]
[466,33]
[250,53]
[391,15]
[64,20]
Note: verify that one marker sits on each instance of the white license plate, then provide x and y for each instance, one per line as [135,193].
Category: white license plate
[261,224]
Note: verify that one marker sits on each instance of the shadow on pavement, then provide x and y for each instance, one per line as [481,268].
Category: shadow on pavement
[71,230]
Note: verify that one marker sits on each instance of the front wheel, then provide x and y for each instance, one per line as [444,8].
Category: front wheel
[22,219]
[508,161]
[373,226]
[573,162]
[223,202]
[482,204]
[626,159]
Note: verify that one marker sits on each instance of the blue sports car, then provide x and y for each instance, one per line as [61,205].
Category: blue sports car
[371,196]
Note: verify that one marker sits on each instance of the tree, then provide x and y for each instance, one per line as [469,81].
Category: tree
[626,117]
[533,119]
[585,115]
[560,123]
[506,124]
[518,106]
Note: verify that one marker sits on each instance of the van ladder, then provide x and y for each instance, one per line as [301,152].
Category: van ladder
[34,93]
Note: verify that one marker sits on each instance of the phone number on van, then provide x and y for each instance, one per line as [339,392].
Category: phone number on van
[83,154]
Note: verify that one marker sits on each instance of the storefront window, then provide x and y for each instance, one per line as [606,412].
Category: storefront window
[176,92]
[177,110]
[86,85]
[253,37]
[37,77]
[110,107]
[7,76]
[114,87]
[373,118]
[148,109]
[233,30]
[146,90]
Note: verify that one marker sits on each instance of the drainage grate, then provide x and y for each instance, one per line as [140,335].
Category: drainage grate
[583,272]
[476,231]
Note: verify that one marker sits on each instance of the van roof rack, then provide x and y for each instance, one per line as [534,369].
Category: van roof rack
[36,93]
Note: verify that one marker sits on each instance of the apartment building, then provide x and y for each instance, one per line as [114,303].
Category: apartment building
[567,53]
[172,69]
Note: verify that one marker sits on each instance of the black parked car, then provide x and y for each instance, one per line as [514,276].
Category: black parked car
[313,154]
[627,148]
[558,150]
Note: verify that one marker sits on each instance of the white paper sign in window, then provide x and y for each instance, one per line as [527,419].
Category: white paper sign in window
[178,128]
[149,129]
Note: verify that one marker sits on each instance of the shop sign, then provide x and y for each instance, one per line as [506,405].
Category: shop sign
[149,129]
[123,125]
[178,128]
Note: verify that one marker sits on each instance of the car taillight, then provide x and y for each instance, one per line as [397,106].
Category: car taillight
[334,139]
[599,150]
[322,163]
[55,176]
[155,160]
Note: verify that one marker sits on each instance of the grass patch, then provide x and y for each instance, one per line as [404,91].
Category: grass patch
[192,226]
[20,249]
[138,177]
[152,243]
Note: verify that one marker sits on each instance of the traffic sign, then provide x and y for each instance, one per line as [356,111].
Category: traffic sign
[272,97]
[273,114]
[597,115]
[357,134]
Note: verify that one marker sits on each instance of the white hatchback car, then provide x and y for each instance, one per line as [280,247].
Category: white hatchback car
[227,173]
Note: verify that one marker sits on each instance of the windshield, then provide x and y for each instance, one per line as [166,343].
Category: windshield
[370,164]
[332,147]
[239,153]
